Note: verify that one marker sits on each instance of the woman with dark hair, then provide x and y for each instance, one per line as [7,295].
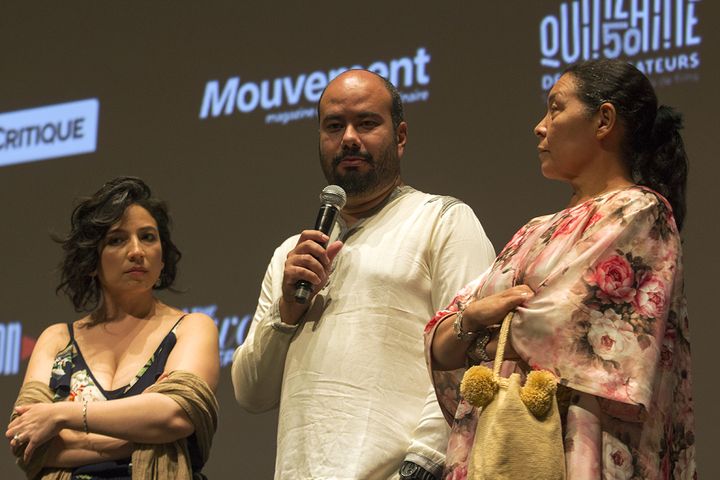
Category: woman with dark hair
[127,390]
[597,288]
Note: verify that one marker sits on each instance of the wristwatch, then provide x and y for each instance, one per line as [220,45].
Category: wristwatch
[412,471]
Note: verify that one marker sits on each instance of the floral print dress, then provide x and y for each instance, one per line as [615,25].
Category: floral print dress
[72,380]
[609,320]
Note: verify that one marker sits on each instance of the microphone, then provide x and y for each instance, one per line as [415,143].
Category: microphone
[332,200]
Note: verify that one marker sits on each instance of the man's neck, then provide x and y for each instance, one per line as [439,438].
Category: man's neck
[359,207]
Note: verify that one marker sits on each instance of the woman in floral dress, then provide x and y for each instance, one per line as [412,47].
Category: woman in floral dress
[98,413]
[597,288]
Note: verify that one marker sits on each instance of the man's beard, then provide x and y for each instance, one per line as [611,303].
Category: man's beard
[381,173]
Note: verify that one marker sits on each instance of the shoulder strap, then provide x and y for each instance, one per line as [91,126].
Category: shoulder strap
[178,323]
[502,340]
[71,331]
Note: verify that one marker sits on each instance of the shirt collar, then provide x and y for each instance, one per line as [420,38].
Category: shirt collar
[398,192]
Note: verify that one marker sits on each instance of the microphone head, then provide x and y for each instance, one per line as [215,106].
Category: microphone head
[333,195]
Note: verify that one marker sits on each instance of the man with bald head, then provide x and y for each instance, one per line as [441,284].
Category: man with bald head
[347,369]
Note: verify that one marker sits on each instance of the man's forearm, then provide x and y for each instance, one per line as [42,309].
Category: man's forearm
[258,364]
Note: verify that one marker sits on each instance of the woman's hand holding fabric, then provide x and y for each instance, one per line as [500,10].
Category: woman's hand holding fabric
[450,352]
[491,310]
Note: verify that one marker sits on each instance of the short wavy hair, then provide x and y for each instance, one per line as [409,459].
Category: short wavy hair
[89,223]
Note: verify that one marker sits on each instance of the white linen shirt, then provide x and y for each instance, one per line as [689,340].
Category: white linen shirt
[351,381]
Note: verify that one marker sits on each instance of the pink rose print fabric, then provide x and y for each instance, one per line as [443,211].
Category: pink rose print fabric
[614,279]
[609,319]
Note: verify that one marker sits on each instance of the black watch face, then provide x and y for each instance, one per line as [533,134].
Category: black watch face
[409,468]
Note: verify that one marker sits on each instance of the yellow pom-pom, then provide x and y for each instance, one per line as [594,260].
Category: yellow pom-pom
[478,386]
[539,392]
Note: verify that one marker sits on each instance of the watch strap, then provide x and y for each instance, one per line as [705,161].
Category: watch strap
[412,471]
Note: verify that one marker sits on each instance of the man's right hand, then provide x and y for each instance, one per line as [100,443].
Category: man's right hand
[308,261]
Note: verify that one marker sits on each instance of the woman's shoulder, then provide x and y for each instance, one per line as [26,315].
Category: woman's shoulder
[196,323]
[51,342]
[635,209]
[641,202]
[635,196]
[54,338]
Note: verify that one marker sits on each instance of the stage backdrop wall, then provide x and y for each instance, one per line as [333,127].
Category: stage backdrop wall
[212,103]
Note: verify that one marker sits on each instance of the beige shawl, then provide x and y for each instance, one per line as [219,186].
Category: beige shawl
[149,461]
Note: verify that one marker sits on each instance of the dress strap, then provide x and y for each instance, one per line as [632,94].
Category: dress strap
[71,331]
[178,323]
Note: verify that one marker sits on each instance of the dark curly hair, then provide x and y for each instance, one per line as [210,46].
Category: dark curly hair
[653,148]
[89,223]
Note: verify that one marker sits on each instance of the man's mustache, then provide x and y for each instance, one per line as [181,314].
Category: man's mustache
[365,156]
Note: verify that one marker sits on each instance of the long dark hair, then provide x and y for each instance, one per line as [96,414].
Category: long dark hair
[89,223]
[653,147]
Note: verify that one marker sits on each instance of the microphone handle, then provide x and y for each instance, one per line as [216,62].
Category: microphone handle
[324,222]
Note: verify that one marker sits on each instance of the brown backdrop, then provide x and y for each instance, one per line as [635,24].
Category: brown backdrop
[238,186]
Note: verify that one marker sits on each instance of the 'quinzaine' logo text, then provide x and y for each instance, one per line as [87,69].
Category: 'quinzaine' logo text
[659,37]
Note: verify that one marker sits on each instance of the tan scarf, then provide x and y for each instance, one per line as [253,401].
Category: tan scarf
[149,461]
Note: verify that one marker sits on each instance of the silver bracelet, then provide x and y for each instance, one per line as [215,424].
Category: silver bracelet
[84,413]
[457,326]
